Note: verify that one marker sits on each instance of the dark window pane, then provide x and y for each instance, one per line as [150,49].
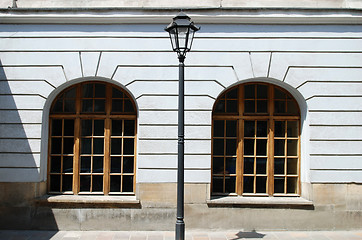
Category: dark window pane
[261,165]
[86,127]
[292,129]
[292,108]
[67,183]
[220,106]
[57,127]
[115,183]
[231,147]
[249,91]
[56,145]
[262,129]
[58,106]
[69,105]
[55,183]
[262,106]
[260,184]
[218,128]
[262,91]
[116,164]
[117,105]
[248,184]
[68,127]
[85,183]
[55,164]
[279,106]
[97,164]
[248,165]
[218,148]
[278,185]
[98,145]
[292,146]
[97,183]
[128,146]
[128,164]
[291,185]
[116,93]
[116,145]
[128,106]
[279,147]
[127,185]
[98,128]
[87,90]
[217,185]
[87,106]
[68,145]
[116,127]
[218,165]
[100,90]
[292,166]
[85,165]
[279,165]
[231,106]
[67,164]
[71,93]
[232,93]
[99,105]
[86,145]
[249,106]
[230,184]
[279,129]
[231,165]
[231,128]
[261,147]
[129,127]
[249,128]
[249,147]
[279,94]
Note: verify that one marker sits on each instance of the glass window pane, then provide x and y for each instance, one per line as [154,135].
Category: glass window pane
[279,147]
[279,165]
[218,165]
[68,127]
[292,108]
[100,90]
[99,105]
[249,128]
[129,127]
[231,128]
[231,147]
[261,147]
[249,147]
[248,165]
[292,146]
[116,145]
[218,128]
[278,185]
[115,183]
[292,185]
[85,183]
[58,106]
[279,129]
[231,106]
[87,105]
[127,185]
[128,146]
[97,183]
[117,105]
[262,91]
[86,127]
[98,145]
[260,184]
[292,166]
[57,127]
[56,145]
[232,93]
[55,183]
[116,164]
[279,94]
[128,164]
[67,183]
[71,93]
[218,148]
[116,93]
[128,106]
[87,90]
[69,105]
[279,106]
[249,106]
[116,127]
[230,165]
[217,184]
[220,106]
[249,91]
[262,129]
[261,165]
[292,129]
[55,164]
[262,106]
[67,164]
[86,145]
[248,184]
[230,184]
[98,164]
[98,128]
[68,145]
[85,164]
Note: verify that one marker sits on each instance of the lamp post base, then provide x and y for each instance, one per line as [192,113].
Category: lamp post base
[180,230]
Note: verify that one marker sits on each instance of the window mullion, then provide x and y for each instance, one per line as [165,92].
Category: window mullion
[271,141]
[76,160]
[107,142]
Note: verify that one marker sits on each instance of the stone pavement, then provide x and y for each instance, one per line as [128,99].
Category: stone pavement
[190,235]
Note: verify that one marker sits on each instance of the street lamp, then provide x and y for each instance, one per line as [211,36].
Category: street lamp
[181,31]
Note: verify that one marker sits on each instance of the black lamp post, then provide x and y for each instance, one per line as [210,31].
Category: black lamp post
[181,31]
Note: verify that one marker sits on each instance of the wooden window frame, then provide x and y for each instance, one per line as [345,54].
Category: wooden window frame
[270,117]
[107,116]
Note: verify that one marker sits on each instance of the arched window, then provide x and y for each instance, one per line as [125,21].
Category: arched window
[256,142]
[92,141]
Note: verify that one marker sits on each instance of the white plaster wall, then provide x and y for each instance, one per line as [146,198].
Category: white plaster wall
[320,65]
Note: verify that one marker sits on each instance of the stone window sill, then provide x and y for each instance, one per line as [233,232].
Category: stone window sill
[261,202]
[79,201]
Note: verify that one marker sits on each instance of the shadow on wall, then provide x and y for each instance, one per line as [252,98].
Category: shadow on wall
[20,135]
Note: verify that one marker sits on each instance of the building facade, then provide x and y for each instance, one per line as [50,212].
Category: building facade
[88,115]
